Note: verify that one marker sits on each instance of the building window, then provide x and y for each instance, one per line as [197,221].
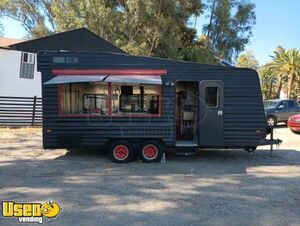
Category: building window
[27,65]
[59,60]
[109,99]
[292,104]
[65,60]
[211,96]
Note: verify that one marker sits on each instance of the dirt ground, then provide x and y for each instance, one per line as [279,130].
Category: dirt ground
[213,188]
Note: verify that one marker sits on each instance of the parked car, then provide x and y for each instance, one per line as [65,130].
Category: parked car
[280,110]
[294,123]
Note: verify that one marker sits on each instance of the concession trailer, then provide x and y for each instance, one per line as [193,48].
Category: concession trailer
[142,105]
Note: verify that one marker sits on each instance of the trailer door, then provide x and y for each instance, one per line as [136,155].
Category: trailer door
[210,122]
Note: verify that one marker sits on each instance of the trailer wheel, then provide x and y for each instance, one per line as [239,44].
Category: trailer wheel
[151,151]
[121,152]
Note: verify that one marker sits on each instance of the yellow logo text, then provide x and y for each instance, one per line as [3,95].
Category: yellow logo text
[30,212]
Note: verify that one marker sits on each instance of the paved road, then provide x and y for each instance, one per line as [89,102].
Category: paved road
[213,188]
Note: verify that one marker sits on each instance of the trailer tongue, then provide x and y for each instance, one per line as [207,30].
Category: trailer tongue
[271,141]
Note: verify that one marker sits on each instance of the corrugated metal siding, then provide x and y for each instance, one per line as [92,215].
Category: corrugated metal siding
[243,108]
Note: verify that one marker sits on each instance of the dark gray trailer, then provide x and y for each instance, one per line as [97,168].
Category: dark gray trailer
[141,105]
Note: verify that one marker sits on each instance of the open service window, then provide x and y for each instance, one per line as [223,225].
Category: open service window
[83,98]
[109,99]
[140,99]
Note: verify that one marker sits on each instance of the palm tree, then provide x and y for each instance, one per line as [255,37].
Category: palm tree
[297,91]
[292,66]
[268,78]
[275,68]
[287,66]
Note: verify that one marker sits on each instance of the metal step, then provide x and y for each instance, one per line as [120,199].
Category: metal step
[186,153]
[185,150]
[186,144]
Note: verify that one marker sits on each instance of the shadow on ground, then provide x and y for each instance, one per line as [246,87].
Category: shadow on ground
[215,187]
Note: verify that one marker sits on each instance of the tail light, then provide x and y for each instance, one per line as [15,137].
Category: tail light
[295,119]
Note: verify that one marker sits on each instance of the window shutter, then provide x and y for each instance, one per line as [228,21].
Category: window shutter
[27,65]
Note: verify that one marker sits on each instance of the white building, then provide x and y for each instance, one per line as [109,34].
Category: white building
[18,63]
[18,73]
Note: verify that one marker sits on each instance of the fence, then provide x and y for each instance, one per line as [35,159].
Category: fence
[20,111]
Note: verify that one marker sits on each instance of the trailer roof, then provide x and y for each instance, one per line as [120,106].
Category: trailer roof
[121,56]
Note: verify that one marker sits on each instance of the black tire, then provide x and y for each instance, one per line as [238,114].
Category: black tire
[296,132]
[120,151]
[272,121]
[268,130]
[154,154]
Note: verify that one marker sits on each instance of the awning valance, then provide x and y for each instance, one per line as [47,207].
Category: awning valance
[137,79]
[62,79]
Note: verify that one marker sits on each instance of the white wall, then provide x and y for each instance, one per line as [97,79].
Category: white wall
[10,82]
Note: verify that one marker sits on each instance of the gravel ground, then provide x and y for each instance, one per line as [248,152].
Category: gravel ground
[212,188]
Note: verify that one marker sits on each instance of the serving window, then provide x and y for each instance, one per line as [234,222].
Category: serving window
[111,99]
[135,99]
[95,103]
[84,98]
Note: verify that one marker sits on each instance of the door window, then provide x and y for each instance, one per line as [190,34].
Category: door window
[292,105]
[283,105]
[211,96]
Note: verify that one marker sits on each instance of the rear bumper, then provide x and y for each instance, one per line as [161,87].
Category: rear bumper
[294,126]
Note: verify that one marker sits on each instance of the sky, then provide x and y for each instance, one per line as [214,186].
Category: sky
[277,23]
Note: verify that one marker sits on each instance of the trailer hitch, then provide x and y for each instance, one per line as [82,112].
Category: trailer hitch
[273,141]
[277,141]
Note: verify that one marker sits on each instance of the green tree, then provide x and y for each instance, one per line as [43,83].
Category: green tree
[151,28]
[156,28]
[1,30]
[229,28]
[275,67]
[268,79]
[296,91]
[199,52]
[247,60]
[292,66]
[287,66]
[33,15]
